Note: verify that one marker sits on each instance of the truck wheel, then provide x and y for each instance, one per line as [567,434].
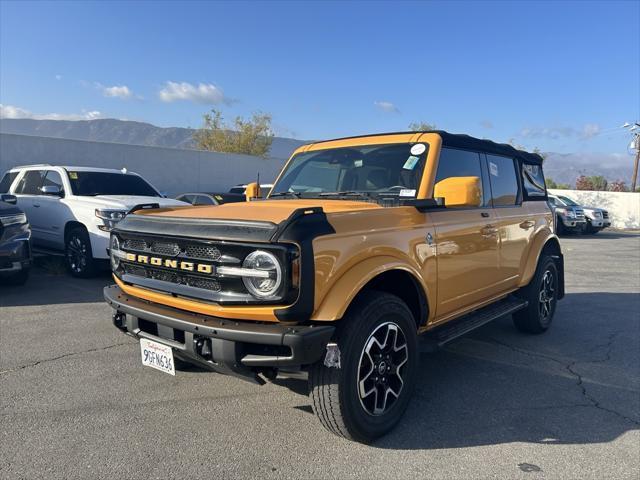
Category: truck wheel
[78,254]
[542,295]
[364,395]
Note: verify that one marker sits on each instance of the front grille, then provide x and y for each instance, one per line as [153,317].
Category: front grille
[173,277]
[579,214]
[203,252]
[170,249]
[605,214]
[134,244]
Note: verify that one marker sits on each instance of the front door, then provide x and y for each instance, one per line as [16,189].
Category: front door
[466,241]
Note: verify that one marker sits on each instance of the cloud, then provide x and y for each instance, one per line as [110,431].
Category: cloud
[587,131]
[58,77]
[386,107]
[117,91]
[10,111]
[206,93]
[486,124]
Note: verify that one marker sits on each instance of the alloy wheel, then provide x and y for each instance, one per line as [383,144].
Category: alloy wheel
[546,295]
[380,371]
[76,254]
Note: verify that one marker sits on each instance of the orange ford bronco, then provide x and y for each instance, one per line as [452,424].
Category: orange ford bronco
[362,244]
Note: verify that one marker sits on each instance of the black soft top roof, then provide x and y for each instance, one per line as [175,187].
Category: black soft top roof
[467,142]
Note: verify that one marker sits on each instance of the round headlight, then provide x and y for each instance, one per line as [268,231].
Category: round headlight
[114,250]
[268,282]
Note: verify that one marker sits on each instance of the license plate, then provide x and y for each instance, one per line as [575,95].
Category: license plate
[158,356]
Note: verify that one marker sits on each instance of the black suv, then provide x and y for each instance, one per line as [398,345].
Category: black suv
[15,250]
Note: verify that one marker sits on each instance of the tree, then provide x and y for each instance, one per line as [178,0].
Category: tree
[584,183]
[421,126]
[541,153]
[550,183]
[250,137]
[599,182]
[618,186]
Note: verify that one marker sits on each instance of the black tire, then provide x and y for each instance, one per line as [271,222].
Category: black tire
[78,255]
[542,295]
[364,366]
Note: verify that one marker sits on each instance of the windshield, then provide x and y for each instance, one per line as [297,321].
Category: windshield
[106,183]
[568,201]
[370,170]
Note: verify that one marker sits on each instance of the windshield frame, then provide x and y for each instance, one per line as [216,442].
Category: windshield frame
[567,201]
[74,187]
[423,159]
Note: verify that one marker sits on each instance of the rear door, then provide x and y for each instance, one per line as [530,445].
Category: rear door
[466,241]
[515,225]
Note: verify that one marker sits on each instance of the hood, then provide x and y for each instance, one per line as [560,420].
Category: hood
[126,202]
[8,209]
[594,209]
[274,211]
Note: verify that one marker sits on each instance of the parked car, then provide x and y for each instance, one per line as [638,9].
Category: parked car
[201,198]
[596,218]
[15,249]
[73,209]
[362,244]
[241,189]
[568,218]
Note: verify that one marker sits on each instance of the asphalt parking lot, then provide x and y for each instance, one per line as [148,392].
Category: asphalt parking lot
[77,403]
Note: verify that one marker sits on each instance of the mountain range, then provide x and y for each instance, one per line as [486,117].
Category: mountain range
[562,168]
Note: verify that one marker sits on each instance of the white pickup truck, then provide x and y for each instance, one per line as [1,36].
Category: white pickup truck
[73,209]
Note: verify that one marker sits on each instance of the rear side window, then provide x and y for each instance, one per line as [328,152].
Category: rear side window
[203,200]
[504,182]
[30,183]
[7,180]
[461,163]
[533,180]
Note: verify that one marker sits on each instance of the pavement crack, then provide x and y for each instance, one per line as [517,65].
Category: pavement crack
[47,360]
[571,369]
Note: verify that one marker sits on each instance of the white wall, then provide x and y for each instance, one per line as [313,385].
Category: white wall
[623,207]
[171,170]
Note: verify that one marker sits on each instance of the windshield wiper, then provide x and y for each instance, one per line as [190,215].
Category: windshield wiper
[346,193]
[285,194]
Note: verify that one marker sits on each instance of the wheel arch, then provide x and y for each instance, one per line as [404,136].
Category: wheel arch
[549,245]
[70,225]
[381,274]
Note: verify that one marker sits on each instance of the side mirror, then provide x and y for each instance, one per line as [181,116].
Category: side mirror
[52,190]
[252,191]
[7,198]
[459,191]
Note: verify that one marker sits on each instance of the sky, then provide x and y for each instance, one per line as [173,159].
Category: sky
[560,76]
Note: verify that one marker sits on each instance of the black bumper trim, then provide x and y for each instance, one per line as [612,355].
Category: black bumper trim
[307,343]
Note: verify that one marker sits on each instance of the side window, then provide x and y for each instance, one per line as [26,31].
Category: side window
[7,180]
[461,163]
[203,200]
[186,198]
[533,180]
[30,183]
[504,182]
[53,179]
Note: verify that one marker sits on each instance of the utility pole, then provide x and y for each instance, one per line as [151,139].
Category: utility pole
[635,143]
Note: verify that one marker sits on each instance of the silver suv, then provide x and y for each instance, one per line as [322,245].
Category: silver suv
[569,217]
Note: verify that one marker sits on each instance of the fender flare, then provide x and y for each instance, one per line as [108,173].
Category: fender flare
[339,297]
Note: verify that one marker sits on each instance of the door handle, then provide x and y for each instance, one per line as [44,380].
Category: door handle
[485,214]
[527,224]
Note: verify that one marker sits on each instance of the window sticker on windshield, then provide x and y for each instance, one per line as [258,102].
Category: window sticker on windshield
[73,175]
[493,168]
[357,163]
[407,192]
[418,149]
[218,197]
[410,164]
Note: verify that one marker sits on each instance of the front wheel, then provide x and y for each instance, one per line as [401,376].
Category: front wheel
[78,254]
[364,394]
[542,297]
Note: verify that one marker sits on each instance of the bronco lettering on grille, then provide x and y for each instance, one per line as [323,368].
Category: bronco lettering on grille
[170,263]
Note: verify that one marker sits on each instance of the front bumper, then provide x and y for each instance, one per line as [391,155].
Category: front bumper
[573,223]
[239,348]
[15,254]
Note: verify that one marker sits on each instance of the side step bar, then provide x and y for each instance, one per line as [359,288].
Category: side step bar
[456,328]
